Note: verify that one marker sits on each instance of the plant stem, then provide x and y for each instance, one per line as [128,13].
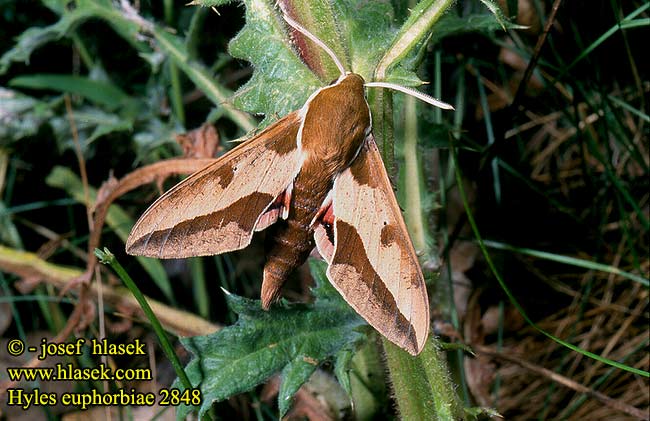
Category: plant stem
[413,214]
[416,27]
[422,386]
[108,258]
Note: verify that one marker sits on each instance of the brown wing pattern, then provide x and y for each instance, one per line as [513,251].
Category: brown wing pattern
[218,208]
[373,264]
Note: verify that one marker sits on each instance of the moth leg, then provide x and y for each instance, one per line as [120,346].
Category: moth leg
[286,202]
[279,208]
[323,224]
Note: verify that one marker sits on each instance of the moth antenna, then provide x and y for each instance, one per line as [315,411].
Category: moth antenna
[410,91]
[298,27]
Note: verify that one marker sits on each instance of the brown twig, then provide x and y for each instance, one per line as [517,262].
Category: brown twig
[26,265]
[113,189]
[84,181]
[521,89]
[564,381]
[80,158]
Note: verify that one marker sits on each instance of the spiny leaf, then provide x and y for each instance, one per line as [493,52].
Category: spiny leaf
[294,375]
[452,24]
[370,31]
[71,18]
[293,339]
[34,38]
[496,11]
[281,82]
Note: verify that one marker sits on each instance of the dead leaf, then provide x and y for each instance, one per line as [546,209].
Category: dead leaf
[202,142]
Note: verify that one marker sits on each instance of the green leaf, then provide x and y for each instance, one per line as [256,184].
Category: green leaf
[416,29]
[91,123]
[325,290]
[20,115]
[292,338]
[369,390]
[176,50]
[370,29]
[151,136]
[496,11]
[101,93]
[452,24]
[294,375]
[125,25]
[281,82]
[34,38]
[403,76]
[71,18]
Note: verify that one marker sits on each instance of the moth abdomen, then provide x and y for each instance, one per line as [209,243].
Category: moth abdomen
[292,240]
[290,246]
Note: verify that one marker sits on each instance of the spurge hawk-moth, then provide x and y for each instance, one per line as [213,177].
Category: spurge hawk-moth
[319,169]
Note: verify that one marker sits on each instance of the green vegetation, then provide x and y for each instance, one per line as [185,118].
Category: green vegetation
[528,205]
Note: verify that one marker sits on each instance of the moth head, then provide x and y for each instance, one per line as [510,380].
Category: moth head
[352,82]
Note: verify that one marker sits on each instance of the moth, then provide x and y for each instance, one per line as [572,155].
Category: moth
[319,170]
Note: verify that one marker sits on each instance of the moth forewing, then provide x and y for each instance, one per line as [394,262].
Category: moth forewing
[217,209]
[373,264]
